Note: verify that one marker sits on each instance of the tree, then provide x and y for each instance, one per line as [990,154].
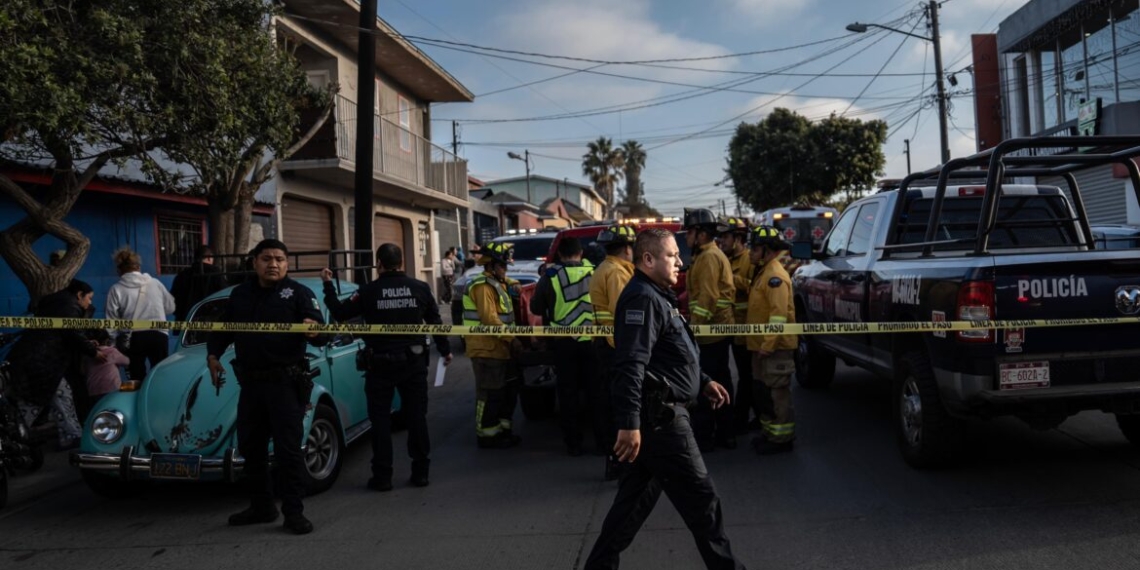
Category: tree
[602,164]
[785,159]
[79,88]
[266,95]
[633,155]
[83,84]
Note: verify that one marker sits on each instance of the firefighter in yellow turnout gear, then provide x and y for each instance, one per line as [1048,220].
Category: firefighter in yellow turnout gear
[734,244]
[606,286]
[773,356]
[712,297]
[487,301]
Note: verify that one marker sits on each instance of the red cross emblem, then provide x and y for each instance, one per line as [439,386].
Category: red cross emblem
[817,232]
[790,234]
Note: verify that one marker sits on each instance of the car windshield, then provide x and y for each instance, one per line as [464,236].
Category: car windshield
[529,248]
[1041,220]
[804,229]
[208,312]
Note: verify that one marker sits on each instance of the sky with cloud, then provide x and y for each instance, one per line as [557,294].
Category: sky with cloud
[683,112]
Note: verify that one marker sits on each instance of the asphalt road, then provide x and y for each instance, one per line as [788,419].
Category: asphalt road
[1064,498]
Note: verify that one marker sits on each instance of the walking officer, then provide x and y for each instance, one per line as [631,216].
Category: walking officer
[711,300]
[393,362]
[606,286]
[655,379]
[275,381]
[734,244]
[773,356]
[487,301]
[562,299]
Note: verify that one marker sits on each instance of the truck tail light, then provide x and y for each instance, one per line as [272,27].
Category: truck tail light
[976,303]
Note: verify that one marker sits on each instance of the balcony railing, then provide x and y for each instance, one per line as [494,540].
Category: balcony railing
[397,152]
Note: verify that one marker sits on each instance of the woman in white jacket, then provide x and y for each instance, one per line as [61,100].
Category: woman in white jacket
[139,296]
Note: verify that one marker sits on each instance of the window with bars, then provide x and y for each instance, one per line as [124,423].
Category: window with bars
[177,240]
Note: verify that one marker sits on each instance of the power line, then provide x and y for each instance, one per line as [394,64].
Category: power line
[683,95]
[885,64]
[762,105]
[493,64]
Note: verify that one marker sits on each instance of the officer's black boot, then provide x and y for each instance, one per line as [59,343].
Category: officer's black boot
[298,524]
[420,474]
[255,514]
[381,480]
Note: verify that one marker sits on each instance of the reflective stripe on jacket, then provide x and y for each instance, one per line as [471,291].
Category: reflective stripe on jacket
[572,307]
[711,290]
[486,302]
[742,270]
[606,285]
[770,301]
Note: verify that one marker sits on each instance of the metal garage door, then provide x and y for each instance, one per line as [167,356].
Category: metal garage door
[386,229]
[307,226]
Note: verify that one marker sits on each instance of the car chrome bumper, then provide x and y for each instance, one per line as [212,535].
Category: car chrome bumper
[126,465]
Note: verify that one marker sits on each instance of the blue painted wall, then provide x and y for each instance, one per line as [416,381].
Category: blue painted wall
[109,221]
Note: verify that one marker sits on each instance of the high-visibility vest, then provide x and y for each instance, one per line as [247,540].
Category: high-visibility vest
[572,306]
[471,311]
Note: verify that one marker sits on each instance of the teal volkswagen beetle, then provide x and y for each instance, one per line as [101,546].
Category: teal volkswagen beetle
[177,426]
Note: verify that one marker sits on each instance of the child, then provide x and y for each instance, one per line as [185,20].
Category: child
[104,378]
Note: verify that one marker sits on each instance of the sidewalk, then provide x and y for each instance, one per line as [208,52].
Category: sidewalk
[56,473]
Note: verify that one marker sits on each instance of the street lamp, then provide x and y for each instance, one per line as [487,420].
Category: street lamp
[932,13]
[525,158]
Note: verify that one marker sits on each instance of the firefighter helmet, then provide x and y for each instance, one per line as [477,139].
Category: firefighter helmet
[770,237]
[502,252]
[617,234]
[703,218]
[738,225]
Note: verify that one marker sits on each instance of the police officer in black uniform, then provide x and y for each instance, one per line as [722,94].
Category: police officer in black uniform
[275,383]
[655,378]
[394,362]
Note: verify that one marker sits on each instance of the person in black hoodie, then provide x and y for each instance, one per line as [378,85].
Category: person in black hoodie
[41,357]
[196,282]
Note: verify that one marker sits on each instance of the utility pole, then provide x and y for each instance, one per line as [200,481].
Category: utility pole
[940,73]
[906,151]
[526,154]
[365,129]
[932,13]
[455,138]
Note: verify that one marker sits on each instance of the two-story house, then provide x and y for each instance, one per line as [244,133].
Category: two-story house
[537,189]
[414,181]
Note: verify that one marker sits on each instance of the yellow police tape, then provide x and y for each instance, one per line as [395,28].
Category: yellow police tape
[457,330]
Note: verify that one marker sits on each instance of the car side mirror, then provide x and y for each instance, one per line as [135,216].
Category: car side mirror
[803,250]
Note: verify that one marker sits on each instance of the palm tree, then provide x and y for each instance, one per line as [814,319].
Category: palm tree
[602,164]
[633,154]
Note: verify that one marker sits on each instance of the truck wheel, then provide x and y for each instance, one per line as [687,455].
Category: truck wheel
[815,366]
[324,451]
[537,402]
[928,435]
[110,486]
[1129,425]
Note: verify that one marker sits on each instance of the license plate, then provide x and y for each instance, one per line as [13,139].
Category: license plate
[175,466]
[1018,375]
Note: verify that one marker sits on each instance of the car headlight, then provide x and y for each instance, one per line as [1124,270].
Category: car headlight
[107,427]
